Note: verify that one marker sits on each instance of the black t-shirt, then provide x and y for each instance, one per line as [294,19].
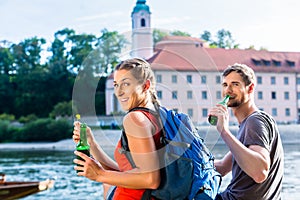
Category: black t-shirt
[258,129]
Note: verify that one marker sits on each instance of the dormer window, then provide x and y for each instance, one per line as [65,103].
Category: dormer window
[267,62]
[290,63]
[277,63]
[256,62]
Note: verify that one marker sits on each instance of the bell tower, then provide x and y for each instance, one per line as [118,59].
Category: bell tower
[142,40]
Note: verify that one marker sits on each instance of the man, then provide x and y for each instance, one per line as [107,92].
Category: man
[255,155]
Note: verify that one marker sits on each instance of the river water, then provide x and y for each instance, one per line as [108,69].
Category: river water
[38,165]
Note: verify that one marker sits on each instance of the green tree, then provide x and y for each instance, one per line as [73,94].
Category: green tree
[7,94]
[27,55]
[180,33]
[206,35]
[223,39]
[6,61]
[60,71]
[108,49]
[7,72]
[158,35]
[29,80]
[89,90]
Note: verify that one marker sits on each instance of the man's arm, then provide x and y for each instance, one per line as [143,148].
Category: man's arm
[253,160]
[224,165]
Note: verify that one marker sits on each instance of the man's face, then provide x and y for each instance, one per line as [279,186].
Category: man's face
[234,86]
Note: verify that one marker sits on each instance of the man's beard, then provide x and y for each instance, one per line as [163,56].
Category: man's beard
[235,103]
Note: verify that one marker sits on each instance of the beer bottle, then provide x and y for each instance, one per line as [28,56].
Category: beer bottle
[82,145]
[214,119]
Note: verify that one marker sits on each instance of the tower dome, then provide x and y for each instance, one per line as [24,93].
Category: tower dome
[141,5]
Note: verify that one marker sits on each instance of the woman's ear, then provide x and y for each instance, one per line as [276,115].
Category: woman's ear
[147,85]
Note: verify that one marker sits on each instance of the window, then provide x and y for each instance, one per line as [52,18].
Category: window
[189,78]
[277,63]
[267,62]
[158,78]
[190,94]
[174,95]
[256,62]
[190,112]
[204,112]
[218,79]
[174,78]
[298,81]
[298,95]
[159,94]
[260,95]
[203,79]
[218,95]
[259,80]
[273,80]
[274,111]
[143,22]
[287,112]
[286,80]
[204,94]
[290,63]
[273,95]
[286,95]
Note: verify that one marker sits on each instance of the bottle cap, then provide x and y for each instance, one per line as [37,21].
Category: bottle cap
[77,116]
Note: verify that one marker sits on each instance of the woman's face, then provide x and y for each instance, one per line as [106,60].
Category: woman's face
[129,92]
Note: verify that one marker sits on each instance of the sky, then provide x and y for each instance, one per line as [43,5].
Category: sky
[271,24]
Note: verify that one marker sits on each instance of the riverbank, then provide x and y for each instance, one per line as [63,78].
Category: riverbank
[107,139]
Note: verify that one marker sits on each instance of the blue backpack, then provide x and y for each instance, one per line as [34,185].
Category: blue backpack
[187,165]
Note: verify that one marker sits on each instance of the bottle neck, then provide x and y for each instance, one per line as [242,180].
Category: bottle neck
[225,100]
[83,138]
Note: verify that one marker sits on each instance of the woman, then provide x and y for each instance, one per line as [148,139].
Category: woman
[134,86]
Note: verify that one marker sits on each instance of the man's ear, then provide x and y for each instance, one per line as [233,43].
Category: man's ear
[147,85]
[251,88]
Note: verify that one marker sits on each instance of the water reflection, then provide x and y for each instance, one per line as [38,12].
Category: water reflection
[38,165]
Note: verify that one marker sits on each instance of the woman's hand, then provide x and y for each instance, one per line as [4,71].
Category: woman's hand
[76,133]
[88,167]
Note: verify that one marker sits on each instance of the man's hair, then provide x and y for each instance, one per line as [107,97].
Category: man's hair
[243,70]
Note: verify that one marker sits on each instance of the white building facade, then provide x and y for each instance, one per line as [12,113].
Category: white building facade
[189,74]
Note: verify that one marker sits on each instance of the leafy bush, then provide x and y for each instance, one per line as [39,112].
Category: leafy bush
[4,124]
[7,117]
[8,132]
[44,129]
[28,118]
[62,109]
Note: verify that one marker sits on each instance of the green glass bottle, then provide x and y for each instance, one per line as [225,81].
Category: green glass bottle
[213,120]
[83,145]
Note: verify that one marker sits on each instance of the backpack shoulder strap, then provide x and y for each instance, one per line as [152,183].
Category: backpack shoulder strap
[125,149]
[143,109]
[124,141]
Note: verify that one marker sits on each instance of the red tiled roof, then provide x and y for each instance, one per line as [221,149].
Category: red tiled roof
[189,54]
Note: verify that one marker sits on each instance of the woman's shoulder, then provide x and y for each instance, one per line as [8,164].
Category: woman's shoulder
[136,121]
[135,116]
